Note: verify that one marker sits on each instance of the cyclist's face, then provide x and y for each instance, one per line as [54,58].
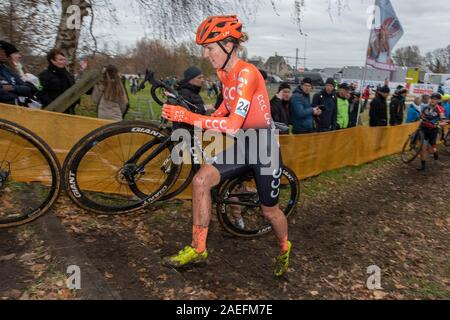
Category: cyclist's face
[215,54]
[434,102]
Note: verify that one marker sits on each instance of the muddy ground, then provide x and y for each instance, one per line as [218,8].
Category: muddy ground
[385,214]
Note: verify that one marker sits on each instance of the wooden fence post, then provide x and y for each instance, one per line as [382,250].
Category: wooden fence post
[87,81]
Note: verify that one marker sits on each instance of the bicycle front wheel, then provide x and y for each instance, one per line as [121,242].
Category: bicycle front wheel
[413,147]
[30,179]
[100,177]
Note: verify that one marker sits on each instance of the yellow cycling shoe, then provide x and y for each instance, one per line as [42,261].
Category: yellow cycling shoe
[187,256]
[282,263]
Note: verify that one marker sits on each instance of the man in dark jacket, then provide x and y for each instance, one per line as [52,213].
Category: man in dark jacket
[280,104]
[55,80]
[378,108]
[326,100]
[302,112]
[397,106]
[189,88]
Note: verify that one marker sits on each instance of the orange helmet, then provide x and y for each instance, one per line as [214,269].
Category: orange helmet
[218,28]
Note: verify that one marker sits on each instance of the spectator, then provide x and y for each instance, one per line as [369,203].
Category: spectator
[13,89]
[366,97]
[264,75]
[110,96]
[133,85]
[446,105]
[280,104]
[426,99]
[326,101]
[414,111]
[397,106]
[354,103]
[302,113]
[189,88]
[378,108]
[343,106]
[55,80]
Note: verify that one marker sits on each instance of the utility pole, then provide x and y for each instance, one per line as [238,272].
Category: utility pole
[306,44]
[297,58]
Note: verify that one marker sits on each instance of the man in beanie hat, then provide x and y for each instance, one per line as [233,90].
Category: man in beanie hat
[8,48]
[397,106]
[302,112]
[13,89]
[189,88]
[280,104]
[378,108]
[326,100]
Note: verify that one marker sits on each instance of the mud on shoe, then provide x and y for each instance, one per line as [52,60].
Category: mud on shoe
[186,257]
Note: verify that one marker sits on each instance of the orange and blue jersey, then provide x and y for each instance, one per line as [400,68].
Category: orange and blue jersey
[245,105]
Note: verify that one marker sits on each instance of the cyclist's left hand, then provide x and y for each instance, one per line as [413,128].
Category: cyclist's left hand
[176,113]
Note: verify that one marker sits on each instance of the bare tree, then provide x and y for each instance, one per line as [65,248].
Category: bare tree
[167,19]
[409,56]
[438,61]
[30,24]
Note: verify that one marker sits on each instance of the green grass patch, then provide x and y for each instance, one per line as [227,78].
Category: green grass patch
[430,290]
[326,181]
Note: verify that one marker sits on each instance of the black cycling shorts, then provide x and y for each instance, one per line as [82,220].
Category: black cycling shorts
[263,158]
[431,135]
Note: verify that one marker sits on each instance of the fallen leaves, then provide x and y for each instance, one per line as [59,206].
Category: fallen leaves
[8,257]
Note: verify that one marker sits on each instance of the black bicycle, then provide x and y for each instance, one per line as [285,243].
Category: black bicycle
[414,144]
[126,166]
[30,179]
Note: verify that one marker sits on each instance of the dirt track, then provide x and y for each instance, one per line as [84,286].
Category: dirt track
[388,215]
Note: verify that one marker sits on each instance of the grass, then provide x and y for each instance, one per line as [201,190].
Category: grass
[322,183]
[430,289]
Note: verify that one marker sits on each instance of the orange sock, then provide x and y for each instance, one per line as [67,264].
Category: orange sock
[199,235]
[284,245]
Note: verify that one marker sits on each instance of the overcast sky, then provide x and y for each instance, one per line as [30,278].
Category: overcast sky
[334,42]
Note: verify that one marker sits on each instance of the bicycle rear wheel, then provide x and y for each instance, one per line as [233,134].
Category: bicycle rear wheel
[30,179]
[100,178]
[240,197]
[413,147]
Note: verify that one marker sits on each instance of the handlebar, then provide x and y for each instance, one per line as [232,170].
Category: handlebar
[172,95]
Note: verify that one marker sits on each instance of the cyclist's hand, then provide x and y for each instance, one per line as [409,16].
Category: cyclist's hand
[176,113]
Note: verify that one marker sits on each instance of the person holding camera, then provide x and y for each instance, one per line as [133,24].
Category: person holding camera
[326,101]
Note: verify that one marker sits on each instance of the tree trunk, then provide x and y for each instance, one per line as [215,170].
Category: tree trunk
[68,36]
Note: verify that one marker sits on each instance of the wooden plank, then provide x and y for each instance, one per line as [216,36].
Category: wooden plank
[88,80]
